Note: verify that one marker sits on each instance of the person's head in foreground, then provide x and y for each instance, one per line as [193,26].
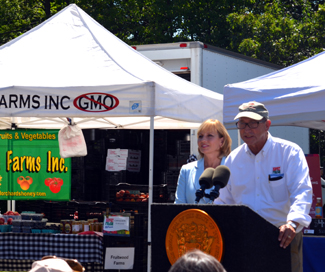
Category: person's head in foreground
[253,125]
[55,264]
[197,261]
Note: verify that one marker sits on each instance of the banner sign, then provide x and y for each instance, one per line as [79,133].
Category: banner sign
[31,167]
[78,101]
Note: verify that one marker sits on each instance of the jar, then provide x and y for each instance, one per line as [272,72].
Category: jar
[68,226]
[318,208]
[80,226]
[75,227]
[100,229]
[96,226]
[85,226]
[91,226]
[62,224]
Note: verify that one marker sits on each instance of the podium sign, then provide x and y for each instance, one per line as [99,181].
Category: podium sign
[192,229]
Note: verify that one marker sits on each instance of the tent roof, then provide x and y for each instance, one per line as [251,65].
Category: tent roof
[294,95]
[71,66]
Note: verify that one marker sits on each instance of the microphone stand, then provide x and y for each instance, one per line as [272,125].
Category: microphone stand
[214,194]
[200,193]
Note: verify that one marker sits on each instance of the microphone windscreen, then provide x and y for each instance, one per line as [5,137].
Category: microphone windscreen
[221,176]
[206,178]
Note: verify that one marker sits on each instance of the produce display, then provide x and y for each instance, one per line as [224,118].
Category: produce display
[26,222]
[9,216]
[131,196]
[7,219]
[11,213]
[123,193]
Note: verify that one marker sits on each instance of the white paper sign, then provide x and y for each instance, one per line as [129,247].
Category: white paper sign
[115,223]
[119,258]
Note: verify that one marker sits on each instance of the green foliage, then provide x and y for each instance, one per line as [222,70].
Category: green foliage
[317,144]
[16,17]
[281,31]
[19,16]
[284,32]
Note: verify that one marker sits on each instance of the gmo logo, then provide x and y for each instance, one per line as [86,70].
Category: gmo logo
[96,102]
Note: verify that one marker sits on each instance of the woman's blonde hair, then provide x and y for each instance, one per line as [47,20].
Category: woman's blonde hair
[212,125]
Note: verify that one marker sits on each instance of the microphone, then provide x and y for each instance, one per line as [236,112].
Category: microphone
[219,179]
[205,181]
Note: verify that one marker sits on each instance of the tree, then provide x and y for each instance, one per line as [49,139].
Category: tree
[317,144]
[19,16]
[278,34]
[281,31]
[206,20]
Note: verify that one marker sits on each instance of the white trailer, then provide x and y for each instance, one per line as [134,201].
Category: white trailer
[212,67]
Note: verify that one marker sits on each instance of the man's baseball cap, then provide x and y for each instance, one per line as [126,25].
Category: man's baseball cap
[253,110]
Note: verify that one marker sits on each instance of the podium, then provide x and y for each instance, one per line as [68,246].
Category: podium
[250,243]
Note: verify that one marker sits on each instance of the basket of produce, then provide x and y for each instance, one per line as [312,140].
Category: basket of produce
[125,192]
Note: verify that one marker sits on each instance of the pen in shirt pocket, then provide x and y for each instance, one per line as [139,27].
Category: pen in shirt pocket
[274,177]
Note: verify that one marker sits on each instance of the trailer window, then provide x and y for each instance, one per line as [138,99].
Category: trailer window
[186,76]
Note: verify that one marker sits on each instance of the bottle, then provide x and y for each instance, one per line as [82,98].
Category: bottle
[76,215]
[319,208]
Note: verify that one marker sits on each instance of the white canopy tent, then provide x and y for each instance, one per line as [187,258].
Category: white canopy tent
[44,71]
[70,66]
[294,95]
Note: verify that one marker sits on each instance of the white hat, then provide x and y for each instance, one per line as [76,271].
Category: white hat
[51,265]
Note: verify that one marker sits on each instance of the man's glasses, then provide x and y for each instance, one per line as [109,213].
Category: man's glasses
[74,264]
[252,124]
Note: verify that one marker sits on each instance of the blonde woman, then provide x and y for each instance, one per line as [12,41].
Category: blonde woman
[214,144]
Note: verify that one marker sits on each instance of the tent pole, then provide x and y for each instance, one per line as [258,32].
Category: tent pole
[151,141]
[8,205]
[13,127]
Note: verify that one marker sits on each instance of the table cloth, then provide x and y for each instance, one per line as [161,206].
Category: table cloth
[19,250]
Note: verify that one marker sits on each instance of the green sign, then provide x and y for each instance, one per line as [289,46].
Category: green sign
[31,167]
